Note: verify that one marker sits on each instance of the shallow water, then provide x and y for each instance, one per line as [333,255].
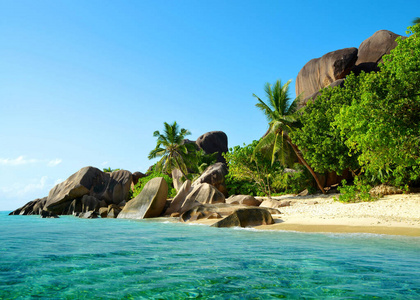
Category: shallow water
[71,258]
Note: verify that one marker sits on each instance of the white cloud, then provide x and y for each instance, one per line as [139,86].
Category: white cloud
[104,163]
[21,160]
[21,189]
[54,162]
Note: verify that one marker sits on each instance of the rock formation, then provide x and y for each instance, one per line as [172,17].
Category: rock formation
[178,201]
[246,217]
[243,200]
[212,142]
[373,49]
[320,72]
[66,197]
[331,69]
[149,203]
[214,175]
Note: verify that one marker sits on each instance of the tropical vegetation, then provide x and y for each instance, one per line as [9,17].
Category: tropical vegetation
[172,149]
[280,111]
[371,125]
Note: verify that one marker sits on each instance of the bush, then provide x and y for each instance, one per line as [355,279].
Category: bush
[236,186]
[142,182]
[294,182]
[255,172]
[358,192]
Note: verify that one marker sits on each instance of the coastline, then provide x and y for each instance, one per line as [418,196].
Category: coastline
[390,215]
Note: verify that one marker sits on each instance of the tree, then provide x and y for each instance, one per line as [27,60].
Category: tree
[382,125]
[253,171]
[280,111]
[416,21]
[170,146]
[321,143]
[109,170]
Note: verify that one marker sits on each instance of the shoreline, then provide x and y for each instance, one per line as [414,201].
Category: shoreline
[389,215]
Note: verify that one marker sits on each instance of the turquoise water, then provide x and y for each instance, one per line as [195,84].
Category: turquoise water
[71,258]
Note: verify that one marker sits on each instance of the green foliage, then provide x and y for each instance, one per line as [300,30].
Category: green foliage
[372,124]
[109,170]
[198,161]
[142,182]
[280,112]
[320,142]
[171,147]
[236,186]
[252,169]
[295,181]
[382,125]
[358,192]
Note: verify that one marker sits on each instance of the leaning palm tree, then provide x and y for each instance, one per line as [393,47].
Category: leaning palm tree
[280,111]
[171,147]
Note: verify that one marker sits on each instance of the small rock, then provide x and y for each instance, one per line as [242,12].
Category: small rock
[88,215]
[48,214]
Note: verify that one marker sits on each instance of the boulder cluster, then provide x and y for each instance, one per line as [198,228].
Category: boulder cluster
[91,193]
[331,69]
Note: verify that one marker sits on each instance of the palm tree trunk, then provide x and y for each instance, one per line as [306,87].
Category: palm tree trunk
[295,148]
[179,166]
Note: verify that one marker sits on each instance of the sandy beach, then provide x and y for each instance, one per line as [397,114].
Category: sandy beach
[393,214]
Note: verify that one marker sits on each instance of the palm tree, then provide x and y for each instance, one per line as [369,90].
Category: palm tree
[170,146]
[280,111]
[416,21]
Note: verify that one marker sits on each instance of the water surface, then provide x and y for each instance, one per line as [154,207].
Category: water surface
[71,258]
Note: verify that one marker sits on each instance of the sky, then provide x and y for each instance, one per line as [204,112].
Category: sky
[86,83]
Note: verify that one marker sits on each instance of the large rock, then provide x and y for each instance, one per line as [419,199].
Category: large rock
[304,101]
[243,200]
[34,207]
[319,73]
[201,212]
[214,175]
[113,188]
[212,142]
[209,211]
[136,177]
[177,179]
[201,194]
[178,201]
[149,203]
[373,49]
[246,217]
[204,193]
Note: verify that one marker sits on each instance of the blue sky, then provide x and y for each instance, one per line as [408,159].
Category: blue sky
[86,83]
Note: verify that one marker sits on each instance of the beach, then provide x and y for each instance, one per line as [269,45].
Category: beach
[392,214]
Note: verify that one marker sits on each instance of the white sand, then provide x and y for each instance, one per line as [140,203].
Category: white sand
[394,214]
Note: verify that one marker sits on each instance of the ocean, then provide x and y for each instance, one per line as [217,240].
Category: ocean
[72,258]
